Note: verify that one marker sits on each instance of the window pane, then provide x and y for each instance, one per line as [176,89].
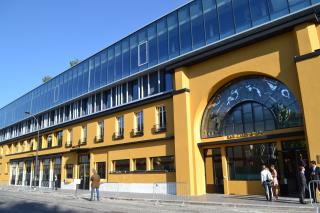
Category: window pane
[101,169]
[162,40]
[185,29]
[110,65]
[140,164]
[298,4]
[134,53]
[173,32]
[259,11]
[197,27]
[152,45]
[97,71]
[241,14]
[91,71]
[225,18]
[118,61]
[153,81]
[278,8]
[125,58]
[210,20]
[104,68]
[145,85]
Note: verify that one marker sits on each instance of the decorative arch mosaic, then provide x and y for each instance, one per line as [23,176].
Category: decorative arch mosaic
[251,104]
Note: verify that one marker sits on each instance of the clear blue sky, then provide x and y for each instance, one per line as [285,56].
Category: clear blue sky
[40,37]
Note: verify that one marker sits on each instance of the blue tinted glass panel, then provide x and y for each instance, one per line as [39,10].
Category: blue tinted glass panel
[225,18]
[91,73]
[97,67]
[152,45]
[110,65]
[104,68]
[211,23]
[133,91]
[142,49]
[125,58]
[168,81]
[197,26]
[118,58]
[80,79]
[278,8]
[109,99]
[85,77]
[185,29]
[259,11]
[173,33]
[241,12]
[298,4]
[162,40]
[315,1]
[69,92]
[134,53]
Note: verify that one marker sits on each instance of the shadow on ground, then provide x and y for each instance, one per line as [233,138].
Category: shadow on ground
[25,207]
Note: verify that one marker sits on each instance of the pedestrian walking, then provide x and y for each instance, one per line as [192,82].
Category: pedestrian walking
[266,181]
[302,183]
[275,183]
[95,184]
[314,175]
[56,182]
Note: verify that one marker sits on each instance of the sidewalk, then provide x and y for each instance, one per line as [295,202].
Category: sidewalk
[253,201]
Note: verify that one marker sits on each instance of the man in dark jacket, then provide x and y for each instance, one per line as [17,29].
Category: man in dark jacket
[302,182]
[314,175]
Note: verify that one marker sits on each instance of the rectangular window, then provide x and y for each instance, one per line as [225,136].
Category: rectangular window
[134,53]
[143,54]
[139,121]
[242,15]
[197,26]
[140,164]
[185,29]
[259,11]
[98,102]
[161,118]
[153,83]
[162,39]
[59,138]
[152,45]
[173,35]
[110,64]
[104,68]
[133,90]
[244,162]
[84,134]
[49,141]
[226,20]
[101,169]
[210,16]
[118,61]
[278,8]
[69,168]
[124,93]
[145,86]
[298,4]
[120,125]
[164,163]
[100,132]
[121,165]
[125,58]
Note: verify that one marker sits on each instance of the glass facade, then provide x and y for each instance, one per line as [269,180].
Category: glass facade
[193,26]
[252,104]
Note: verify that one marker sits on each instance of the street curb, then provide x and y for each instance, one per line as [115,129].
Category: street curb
[235,205]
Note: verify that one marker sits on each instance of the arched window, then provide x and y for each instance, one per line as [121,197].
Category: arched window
[251,104]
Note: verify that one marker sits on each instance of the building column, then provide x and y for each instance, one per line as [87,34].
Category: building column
[40,172]
[17,174]
[31,173]
[225,171]
[308,66]
[188,158]
[51,173]
[24,174]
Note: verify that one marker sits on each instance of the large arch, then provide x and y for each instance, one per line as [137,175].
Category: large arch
[267,93]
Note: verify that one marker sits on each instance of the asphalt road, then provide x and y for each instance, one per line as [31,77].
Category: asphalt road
[36,202]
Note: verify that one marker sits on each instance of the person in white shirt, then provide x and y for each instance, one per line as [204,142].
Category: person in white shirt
[266,180]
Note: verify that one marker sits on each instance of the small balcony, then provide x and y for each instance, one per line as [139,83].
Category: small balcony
[82,141]
[117,135]
[158,128]
[137,132]
[98,139]
[68,144]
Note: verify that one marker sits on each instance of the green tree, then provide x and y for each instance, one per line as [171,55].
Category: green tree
[46,78]
[74,62]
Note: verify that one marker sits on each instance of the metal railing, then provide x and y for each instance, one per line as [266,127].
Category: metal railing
[314,193]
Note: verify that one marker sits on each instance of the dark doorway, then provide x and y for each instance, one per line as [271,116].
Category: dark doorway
[214,171]
[28,173]
[84,171]
[294,154]
[57,172]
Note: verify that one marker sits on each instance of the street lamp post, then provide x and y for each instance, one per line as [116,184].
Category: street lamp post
[35,177]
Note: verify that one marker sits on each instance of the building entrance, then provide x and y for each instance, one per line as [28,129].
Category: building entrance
[214,174]
[84,171]
[293,154]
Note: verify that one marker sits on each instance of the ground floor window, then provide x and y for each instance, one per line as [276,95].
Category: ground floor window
[101,169]
[69,168]
[46,173]
[164,163]
[245,161]
[121,165]
[140,164]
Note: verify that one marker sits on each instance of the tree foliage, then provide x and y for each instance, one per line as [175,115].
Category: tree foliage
[46,78]
[74,62]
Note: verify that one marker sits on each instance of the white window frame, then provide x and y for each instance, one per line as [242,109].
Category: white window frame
[147,55]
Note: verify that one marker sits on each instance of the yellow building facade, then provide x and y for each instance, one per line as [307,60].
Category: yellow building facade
[267,85]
